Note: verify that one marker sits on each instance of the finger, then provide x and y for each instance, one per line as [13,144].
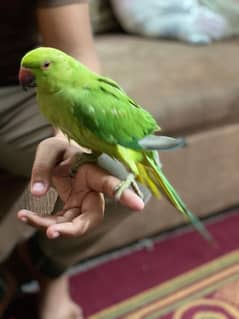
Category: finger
[100,181]
[92,213]
[34,219]
[38,221]
[48,154]
[130,199]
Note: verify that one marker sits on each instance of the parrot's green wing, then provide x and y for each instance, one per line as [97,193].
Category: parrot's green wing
[105,109]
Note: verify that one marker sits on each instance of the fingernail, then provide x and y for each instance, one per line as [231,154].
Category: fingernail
[23,219]
[38,187]
[55,234]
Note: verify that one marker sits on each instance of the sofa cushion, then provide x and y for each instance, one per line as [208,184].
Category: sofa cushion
[187,88]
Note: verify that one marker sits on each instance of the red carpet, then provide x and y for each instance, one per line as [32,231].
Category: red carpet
[181,277]
[179,271]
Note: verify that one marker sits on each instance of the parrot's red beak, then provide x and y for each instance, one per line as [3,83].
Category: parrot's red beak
[26,78]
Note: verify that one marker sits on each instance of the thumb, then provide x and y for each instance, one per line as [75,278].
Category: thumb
[49,153]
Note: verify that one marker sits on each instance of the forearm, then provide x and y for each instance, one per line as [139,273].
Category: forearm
[68,28]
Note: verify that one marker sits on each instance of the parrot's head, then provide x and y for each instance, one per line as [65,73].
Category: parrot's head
[45,68]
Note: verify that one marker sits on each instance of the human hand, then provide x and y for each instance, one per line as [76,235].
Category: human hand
[82,194]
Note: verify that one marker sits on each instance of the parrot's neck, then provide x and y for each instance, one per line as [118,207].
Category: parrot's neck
[48,87]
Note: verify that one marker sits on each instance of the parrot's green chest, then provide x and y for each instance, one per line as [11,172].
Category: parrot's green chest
[60,113]
[57,111]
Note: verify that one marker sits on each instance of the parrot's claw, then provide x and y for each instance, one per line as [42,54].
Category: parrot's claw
[130,181]
[81,159]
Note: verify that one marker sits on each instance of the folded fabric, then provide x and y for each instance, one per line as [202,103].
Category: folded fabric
[188,20]
[229,9]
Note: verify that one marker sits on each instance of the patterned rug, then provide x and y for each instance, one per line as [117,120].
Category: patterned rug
[179,277]
[208,292]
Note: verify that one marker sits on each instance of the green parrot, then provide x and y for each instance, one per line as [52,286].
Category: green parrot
[95,112]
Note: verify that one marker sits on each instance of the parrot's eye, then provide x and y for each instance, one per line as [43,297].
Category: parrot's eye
[46,65]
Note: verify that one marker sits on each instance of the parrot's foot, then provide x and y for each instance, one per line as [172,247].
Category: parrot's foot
[81,159]
[130,181]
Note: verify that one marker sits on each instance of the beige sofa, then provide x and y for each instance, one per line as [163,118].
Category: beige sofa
[192,92]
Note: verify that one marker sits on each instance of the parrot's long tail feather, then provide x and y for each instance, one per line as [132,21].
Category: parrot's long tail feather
[157,182]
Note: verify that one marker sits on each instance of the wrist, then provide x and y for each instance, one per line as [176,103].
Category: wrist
[58,133]
[64,138]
